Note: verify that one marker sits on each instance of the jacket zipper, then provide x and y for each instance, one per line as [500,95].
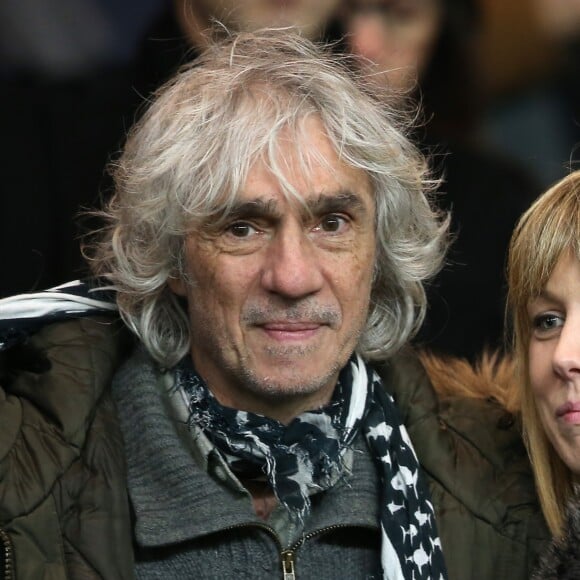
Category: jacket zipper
[288,565]
[7,558]
[287,556]
[288,569]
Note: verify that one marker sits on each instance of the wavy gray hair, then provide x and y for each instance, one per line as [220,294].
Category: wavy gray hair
[189,156]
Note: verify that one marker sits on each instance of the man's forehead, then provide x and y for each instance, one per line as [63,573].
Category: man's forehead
[301,168]
[307,171]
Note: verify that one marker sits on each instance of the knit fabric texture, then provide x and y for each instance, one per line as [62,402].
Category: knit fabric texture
[197,521]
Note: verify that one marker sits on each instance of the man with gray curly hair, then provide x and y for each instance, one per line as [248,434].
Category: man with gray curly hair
[267,246]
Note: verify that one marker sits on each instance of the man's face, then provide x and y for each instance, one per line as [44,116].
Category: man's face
[309,15]
[279,295]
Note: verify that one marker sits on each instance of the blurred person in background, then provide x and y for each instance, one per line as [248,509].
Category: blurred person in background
[181,31]
[74,75]
[65,67]
[424,51]
[530,61]
[312,18]
[544,300]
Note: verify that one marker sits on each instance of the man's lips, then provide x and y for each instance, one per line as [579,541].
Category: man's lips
[290,330]
[291,326]
[569,412]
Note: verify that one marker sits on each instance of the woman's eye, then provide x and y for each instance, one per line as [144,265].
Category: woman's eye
[332,223]
[547,322]
[241,229]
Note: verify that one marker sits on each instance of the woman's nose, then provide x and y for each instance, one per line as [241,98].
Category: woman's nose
[566,358]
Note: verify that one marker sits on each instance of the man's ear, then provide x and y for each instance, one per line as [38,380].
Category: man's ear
[177,285]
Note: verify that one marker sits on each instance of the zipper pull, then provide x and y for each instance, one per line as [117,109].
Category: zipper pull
[288,565]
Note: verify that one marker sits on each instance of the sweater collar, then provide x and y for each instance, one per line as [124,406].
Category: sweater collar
[173,494]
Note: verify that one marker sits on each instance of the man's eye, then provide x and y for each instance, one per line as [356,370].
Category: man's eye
[332,223]
[241,229]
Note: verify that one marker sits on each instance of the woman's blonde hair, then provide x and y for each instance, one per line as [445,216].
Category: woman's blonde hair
[549,229]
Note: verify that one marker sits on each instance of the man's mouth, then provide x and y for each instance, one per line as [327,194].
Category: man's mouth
[291,330]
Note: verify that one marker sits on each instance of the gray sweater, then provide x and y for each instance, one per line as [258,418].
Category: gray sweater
[194,519]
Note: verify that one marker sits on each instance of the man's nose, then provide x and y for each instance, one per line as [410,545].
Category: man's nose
[292,267]
[566,359]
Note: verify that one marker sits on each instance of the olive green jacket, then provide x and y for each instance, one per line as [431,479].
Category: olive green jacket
[64,511]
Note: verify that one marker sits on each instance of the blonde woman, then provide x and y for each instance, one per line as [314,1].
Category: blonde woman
[544,300]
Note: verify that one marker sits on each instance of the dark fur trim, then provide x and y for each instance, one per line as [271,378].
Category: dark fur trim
[561,561]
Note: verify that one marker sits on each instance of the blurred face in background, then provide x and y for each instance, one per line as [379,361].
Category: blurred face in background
[554,359]
[393,38]
[309,15]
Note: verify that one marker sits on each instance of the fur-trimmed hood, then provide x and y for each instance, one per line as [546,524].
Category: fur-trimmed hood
[493,376]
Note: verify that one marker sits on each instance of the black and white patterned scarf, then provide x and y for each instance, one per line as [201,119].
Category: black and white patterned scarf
[306,455]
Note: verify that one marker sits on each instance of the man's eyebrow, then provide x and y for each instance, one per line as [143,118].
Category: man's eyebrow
[336,202]
[255,208]
[322,204]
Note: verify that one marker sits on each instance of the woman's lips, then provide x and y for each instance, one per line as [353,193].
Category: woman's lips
[569,412]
